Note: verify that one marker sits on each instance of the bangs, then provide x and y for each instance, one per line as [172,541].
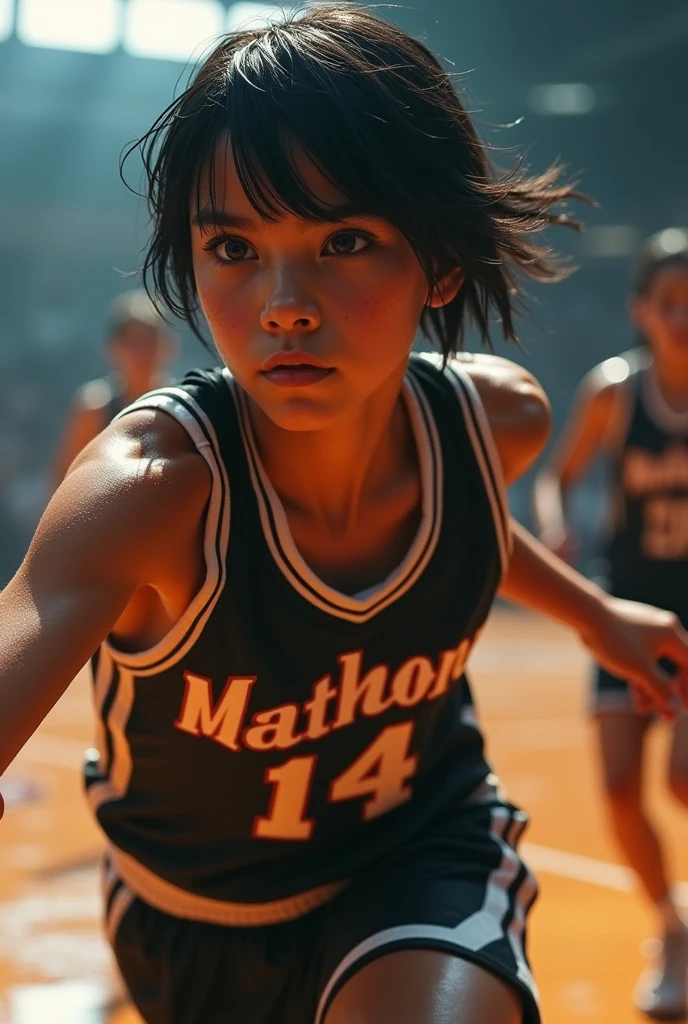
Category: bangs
[282,100]
[375,113]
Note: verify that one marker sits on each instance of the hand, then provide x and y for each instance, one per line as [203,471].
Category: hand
[628,639]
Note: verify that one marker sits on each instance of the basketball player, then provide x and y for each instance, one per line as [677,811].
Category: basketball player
[139,348]
[286,562]
[633,410]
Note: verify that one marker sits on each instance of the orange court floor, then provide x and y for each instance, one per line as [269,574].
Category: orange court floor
[531,680]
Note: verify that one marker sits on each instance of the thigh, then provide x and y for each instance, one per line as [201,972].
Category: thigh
[621,737]
[460,892]
[411,986]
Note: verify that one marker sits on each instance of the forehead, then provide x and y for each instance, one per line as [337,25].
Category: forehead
[219,182]
[670,280]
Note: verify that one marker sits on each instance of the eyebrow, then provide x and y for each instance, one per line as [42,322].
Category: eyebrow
[208,217]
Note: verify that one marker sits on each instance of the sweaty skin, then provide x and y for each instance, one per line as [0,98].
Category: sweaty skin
[109,557]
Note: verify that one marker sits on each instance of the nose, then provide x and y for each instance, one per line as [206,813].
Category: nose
[289,309]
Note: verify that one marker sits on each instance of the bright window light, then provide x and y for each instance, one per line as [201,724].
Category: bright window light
[562,99]
[672,240]
[6,18]
[171,29]
[244,15]
[91,26]
[607,241]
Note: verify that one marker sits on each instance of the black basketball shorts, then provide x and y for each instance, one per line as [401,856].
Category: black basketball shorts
[460,887]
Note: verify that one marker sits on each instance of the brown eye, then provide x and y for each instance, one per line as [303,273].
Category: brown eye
[346,243]
[234,250]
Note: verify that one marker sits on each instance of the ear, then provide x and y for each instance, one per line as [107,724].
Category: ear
[446,289]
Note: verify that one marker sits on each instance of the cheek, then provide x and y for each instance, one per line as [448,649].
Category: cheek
[386,301]
[226,309]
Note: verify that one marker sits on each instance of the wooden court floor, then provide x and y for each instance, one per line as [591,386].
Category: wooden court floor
[530,679]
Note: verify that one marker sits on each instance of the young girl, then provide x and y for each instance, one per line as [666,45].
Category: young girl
[286,562]
[139,348]
[633,410]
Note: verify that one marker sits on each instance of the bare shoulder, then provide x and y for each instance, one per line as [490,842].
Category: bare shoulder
[516,406]
[136,489]
[601,384]
[501,381]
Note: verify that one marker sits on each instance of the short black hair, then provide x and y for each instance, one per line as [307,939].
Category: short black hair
[132,307]
[376,112]
[667,248]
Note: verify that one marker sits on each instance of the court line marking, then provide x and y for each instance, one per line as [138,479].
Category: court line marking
[579,868]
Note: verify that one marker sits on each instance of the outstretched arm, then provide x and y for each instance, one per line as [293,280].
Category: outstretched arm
[626,637]
[121,521]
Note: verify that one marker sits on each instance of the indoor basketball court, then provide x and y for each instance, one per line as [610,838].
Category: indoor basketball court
[530,681]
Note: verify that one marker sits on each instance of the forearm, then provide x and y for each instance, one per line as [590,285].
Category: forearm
[538,580]
[549,507]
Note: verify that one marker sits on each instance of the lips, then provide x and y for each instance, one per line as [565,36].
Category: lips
[296,375]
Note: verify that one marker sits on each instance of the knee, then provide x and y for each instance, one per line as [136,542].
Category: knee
[678,786]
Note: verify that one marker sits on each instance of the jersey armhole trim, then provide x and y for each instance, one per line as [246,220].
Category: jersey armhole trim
[178,404]
[487,457]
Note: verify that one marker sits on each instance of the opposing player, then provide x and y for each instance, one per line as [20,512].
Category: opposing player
[139,347]
[286,562]
[633,411]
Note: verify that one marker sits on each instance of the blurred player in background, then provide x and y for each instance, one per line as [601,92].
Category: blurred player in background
[633,410]
[138,347]
[288,564]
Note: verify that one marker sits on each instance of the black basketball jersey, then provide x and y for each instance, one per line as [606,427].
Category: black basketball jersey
[648,550]
[284,734]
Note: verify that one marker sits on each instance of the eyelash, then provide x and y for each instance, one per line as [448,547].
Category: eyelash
[212,245]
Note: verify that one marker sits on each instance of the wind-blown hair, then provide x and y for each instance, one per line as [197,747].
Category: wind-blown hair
[378,115]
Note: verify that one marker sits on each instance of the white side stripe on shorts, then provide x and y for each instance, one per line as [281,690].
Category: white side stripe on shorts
[475,932]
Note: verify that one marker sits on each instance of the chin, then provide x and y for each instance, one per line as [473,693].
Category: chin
[302,414]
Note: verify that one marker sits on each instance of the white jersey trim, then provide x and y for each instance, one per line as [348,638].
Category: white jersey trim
[183,635]
[171,899]
[485,450]
[285,553]
[475,932]
[119,769]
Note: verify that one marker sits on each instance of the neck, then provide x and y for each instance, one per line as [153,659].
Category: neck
[355,459]
[672,378]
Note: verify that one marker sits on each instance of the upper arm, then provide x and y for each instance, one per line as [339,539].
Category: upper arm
[107,531]
[517,409]
[591,427]
[85,421]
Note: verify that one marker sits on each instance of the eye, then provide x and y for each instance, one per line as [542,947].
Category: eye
[230,249]
[347,243]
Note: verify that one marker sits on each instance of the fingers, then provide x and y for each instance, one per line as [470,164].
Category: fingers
[675,644]
[656,690]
